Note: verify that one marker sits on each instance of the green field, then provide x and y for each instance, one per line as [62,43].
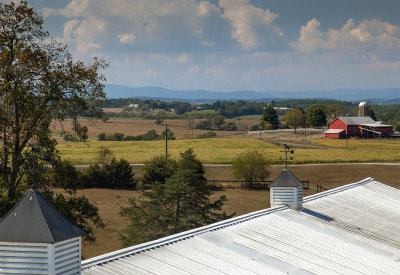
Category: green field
[223,150]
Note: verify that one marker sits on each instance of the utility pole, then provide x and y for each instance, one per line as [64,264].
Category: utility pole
[166,140]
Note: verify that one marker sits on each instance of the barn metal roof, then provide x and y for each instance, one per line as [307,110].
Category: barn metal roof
[286,179]
[353,229]
[358,120]
[35,220]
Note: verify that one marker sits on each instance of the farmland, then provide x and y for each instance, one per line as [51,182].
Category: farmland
[221,151]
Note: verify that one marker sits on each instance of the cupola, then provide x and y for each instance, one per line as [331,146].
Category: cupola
[286,189]
[37,239]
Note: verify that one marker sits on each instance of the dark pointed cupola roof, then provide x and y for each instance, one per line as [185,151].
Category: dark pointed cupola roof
[35,220]
[286,179]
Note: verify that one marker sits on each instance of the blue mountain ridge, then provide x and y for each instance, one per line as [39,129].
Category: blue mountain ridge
[377,95]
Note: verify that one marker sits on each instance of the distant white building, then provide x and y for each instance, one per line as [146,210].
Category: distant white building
[353,229]
[134,106]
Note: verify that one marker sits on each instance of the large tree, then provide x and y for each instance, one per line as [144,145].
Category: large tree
[295,118]
[251,166]
[316,116]
[39,83]
[181,203]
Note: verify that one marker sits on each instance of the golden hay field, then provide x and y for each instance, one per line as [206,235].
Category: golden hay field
[223,150]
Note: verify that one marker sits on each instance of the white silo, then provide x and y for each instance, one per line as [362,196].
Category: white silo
[363,109]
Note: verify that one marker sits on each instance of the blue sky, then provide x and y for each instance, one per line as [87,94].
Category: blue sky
[230,45]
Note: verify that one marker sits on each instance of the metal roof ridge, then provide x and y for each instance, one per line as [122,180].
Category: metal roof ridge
[124,252]
[338,189]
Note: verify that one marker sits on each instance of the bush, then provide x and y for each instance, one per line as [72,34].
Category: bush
[229,126]
[115,137]
[251,166]
[204,125]
[116,174]
[108,172]
[397,127]
[101,137]
[255,127]
[207,135]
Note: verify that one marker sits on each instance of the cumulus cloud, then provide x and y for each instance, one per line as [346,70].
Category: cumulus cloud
[250,24]
[311,38]
[169,25]
[126,38]
[366,35]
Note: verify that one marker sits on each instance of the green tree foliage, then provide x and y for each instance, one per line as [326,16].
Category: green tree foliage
[169,133]
[182,203]
[316,116]
[251,166]
[158,169]
[334,110]
[204,124]
[270,117]
[218,121]
[372,114]
[397,127]
[40,83]
[295,118]
[108,172]
[229,126]
[209,134]
[105,118]
[158,121]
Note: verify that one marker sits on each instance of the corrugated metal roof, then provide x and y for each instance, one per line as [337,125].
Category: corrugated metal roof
[35,220]
[353,229]
[358,120]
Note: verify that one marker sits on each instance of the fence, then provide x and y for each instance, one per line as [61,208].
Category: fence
[310,130]
[256,185]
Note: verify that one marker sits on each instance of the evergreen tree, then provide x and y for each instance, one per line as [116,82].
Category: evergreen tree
[270,117]
[182,203]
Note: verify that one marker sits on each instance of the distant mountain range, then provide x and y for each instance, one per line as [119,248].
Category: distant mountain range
[378,96]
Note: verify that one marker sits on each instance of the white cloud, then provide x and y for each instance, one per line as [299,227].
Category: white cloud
[366,35]
[249,23]
[182,58]
[127,38]
[311,38]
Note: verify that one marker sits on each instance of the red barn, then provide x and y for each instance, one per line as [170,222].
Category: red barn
[366,127]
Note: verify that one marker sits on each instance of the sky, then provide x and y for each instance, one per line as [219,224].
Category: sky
[232,45]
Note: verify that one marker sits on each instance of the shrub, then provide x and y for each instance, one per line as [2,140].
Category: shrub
[101,137]
[207,135]
[255,127]
[397,127]
[229,126]
[204,124]
[251,166]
